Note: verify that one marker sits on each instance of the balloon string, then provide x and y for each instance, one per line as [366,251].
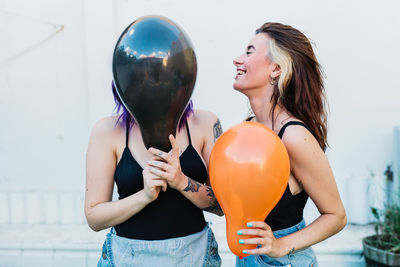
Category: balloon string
[58,29]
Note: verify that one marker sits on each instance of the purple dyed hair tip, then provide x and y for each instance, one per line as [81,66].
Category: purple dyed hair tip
[126,118]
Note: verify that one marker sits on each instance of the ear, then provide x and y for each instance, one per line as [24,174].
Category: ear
[276,71]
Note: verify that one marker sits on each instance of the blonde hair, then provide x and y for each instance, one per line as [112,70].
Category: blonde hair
[283,59]
[300,88]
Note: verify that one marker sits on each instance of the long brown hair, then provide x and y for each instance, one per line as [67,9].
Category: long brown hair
[300,88]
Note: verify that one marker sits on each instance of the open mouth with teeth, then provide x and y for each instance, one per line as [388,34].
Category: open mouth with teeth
[240,72]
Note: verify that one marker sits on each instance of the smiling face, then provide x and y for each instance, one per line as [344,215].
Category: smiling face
[254,67]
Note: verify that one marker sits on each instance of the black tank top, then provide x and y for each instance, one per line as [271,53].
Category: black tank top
[289,210]
[171,214]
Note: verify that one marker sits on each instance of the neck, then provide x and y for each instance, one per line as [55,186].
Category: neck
[261,105]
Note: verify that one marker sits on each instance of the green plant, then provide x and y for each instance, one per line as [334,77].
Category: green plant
[387,228]
[387,225]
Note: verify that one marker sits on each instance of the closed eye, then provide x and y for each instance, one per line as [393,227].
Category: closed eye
[250,49]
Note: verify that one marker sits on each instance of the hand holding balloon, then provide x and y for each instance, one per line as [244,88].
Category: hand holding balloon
[264,237]
[249,171]
[167,165]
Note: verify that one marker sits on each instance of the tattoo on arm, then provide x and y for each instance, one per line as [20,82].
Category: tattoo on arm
[192,186]
[217,130]
[214,205]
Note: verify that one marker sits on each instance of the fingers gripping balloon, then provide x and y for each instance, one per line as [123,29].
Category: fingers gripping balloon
[154,69]
[249,171]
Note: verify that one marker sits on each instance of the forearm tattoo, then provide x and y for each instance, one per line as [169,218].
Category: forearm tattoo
[192,186]
[214,205]
[217,130]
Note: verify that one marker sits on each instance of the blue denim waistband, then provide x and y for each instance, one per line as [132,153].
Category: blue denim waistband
[169,240]
[289,230]
[191,250]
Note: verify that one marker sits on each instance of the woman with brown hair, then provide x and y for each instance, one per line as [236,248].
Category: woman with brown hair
[282,79]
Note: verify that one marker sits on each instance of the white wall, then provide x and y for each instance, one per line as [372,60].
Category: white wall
[356,43]
[44,111]
[53,94]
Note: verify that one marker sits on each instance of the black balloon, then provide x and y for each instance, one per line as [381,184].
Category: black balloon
[154,68]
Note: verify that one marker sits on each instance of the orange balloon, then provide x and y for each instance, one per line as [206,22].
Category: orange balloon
[249,172]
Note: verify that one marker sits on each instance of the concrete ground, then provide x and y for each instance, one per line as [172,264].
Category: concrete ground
[77,245]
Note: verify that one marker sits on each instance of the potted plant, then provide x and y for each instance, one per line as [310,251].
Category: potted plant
[383,248]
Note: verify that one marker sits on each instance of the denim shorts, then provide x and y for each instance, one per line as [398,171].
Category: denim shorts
[299,258]
[199,249]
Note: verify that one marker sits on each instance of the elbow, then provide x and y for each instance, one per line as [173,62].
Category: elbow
[95,227]
[343,220]
[92,222]
[216,209]
[220,213]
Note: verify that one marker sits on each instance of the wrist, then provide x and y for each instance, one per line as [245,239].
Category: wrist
[184,183]
[144,197]
[284,248]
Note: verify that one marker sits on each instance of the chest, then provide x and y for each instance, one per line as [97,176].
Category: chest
[129,178]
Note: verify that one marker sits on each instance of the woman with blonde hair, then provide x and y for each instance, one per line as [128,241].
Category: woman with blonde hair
[282,79]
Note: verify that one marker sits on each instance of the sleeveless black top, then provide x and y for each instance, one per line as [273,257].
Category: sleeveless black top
[171,214]
[289,210]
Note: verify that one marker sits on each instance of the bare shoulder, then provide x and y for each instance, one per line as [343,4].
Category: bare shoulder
[298,138]
[203,118]
[206,124]
[107,128]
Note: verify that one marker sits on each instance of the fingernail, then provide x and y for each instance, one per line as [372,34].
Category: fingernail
[249,225]
[239,232]
[244,251]
[241,241]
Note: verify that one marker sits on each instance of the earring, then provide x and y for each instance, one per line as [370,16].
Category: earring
[272,81]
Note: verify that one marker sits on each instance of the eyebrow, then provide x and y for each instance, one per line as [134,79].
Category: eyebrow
[250,47]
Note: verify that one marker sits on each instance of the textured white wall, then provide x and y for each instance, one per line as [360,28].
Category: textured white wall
[52,94]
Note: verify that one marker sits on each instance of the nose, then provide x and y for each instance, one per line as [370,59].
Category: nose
[237,61]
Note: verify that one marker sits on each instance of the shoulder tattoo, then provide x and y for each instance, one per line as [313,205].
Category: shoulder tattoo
[217,130]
